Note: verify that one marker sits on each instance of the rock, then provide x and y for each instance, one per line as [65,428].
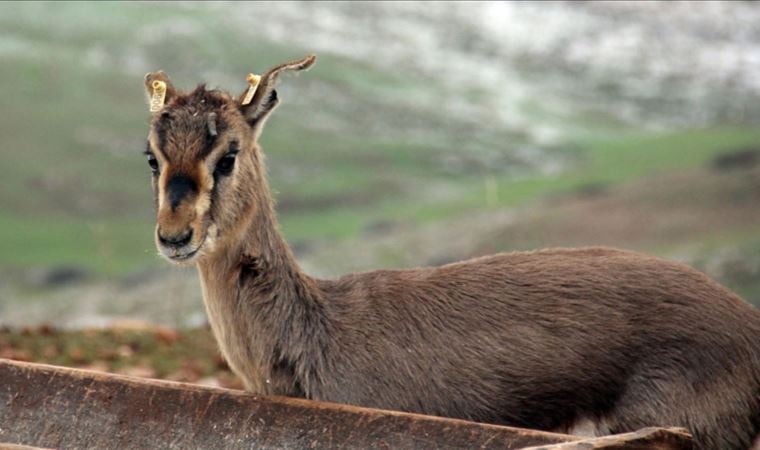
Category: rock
[54,277]
[744,158]
[138,371]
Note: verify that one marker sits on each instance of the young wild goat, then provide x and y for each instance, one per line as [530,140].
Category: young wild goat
[592,339]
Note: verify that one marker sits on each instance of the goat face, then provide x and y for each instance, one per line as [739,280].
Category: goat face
[208,177]
[199,149]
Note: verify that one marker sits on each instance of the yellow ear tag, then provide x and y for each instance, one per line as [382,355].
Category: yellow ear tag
[158,97]
[253,81]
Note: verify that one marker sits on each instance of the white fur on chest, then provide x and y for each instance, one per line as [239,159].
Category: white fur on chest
[586,428]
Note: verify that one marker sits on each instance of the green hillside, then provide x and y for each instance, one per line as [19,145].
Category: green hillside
[348,149]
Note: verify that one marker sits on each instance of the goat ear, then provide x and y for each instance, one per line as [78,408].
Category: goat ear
[159,89]
[265,100]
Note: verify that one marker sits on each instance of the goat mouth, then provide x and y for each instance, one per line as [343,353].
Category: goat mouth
[185,256]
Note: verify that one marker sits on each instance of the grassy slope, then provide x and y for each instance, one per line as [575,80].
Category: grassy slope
[75,188]
[603,161]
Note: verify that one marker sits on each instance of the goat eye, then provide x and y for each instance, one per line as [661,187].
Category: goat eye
[153,164]
[225,164]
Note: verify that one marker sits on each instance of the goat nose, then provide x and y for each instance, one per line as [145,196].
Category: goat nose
[177,240]
[179,187]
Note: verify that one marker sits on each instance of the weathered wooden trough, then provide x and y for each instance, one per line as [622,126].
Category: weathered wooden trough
[45,406]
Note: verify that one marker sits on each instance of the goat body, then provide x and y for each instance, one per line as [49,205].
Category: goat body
[545,339]
[601,339]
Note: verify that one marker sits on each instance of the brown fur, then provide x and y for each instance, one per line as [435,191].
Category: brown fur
[547,339]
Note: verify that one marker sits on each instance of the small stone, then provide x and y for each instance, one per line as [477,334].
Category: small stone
[138,371]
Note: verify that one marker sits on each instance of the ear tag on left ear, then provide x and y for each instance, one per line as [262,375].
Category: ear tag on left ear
[253,81]
[158,97]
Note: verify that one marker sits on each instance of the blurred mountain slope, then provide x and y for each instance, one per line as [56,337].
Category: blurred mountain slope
[416,116]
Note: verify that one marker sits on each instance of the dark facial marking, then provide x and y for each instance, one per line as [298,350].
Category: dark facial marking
[162,127]
[178,187]
[214,126]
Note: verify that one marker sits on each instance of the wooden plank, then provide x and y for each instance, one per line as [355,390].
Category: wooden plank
[644,439]
[4,446]
[56,407]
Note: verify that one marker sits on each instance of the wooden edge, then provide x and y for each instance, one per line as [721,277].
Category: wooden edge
[6,446]
[50,406]
[644,439]
[293,401]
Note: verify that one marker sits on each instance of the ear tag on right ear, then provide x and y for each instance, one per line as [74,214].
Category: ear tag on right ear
[253,81]
[158,97]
